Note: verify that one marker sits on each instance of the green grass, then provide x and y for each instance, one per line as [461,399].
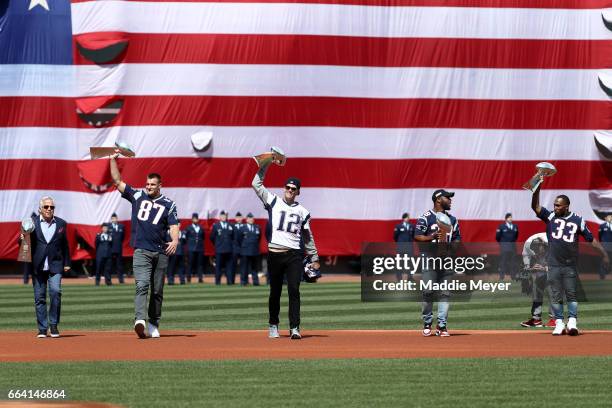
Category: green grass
[574,382]
[324,306]
[544,382]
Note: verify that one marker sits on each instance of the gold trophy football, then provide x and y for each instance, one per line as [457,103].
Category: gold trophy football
[543,169]
[124,150]
[276,156]
[25,247]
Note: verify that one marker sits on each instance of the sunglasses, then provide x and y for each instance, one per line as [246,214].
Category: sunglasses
[49,207]
[288,188]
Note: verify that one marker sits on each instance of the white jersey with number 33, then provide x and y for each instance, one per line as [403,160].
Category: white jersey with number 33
[286,222]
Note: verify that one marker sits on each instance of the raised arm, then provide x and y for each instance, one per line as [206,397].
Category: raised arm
[535,200]
[116,174]
[261,191]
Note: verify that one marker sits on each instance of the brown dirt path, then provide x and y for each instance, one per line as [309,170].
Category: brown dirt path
[316,344]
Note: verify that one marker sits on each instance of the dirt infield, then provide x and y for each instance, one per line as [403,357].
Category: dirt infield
[254,344]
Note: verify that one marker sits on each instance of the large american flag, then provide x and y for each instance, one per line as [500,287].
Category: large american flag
[376,103]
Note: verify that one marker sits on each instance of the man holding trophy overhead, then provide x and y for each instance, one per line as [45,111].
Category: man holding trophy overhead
[152,215]
[562,230]
[44,244]
[290,227]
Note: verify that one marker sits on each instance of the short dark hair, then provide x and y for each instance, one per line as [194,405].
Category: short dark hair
[154,175]
[564,198]
[508,215]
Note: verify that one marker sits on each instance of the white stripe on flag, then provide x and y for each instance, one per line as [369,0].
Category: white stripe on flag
[323,19]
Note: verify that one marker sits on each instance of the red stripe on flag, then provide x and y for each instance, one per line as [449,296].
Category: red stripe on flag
[318,111]
[340,50]
[314,172]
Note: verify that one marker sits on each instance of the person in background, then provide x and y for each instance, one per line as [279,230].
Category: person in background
[403,235]
[605,237]
[222,236]
[236,259]
[176,262]
[104,243]
[249,238]
[117,232]
[506,235]
[195,245]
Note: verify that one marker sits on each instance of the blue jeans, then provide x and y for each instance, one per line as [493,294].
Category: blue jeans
[429,297]
[39,281]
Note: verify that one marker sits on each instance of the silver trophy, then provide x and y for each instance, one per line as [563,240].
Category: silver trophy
[25,247]
[124,150]
[276,156]
[543,169]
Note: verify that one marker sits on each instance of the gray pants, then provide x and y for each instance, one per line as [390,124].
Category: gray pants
[149,266]
[563,279]
[443,296]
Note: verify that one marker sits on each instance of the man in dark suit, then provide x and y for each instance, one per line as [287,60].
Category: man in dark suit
[117,232]
[403,235]
[605,237]
[176,262]
[248,240]
[506,235]
[195,247]
[236,249]
[50,257]
[222,236]
[104,243]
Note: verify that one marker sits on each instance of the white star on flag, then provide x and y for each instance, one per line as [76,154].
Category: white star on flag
[42,3]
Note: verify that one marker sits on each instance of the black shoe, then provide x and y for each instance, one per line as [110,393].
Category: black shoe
[42,334]
[54,332]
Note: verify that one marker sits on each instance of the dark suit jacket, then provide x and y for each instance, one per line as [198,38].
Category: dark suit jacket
[118,237]
[103,248]
[222,238]
[249,240]
[195,240]
[56,250]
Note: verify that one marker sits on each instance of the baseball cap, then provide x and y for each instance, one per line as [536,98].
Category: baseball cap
[294,181]
[250,215]
[113,215]
[441,193]
[222,212]
[238,214]
[194,215]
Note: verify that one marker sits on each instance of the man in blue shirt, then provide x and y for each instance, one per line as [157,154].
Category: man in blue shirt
[176,262]
[195,245]
[506,235]
[562,230]
[236,249]
[152,215]
[222,237]
[428,233]
[605,237]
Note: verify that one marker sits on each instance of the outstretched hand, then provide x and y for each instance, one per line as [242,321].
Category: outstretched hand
[171,247]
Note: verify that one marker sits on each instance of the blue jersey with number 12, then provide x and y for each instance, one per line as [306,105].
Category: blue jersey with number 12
[562,234]
[150,219]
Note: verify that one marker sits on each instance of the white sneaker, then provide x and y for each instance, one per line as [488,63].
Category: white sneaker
[572,328]
[294,333]
[273,332]
[559,328]
[139,328]
[153,331]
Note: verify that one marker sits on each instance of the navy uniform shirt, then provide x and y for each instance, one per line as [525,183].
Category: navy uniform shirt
[507,235]
[195,239]
[104,244]
[249,239]
[605,232]
[222,236]
[562,234]
[118,233]
[237,233]
[151,218]
[403,232]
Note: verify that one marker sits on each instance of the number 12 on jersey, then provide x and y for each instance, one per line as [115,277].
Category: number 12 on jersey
[294,221]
